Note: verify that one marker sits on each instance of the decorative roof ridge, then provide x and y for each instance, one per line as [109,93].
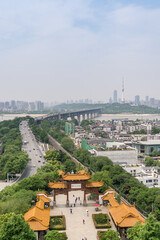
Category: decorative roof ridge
[43,192]
[40,221]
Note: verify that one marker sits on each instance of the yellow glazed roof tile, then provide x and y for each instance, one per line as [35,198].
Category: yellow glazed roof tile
[81,175]
[111,198]
[94,184]
[38,217]
[125,215]
[57,185]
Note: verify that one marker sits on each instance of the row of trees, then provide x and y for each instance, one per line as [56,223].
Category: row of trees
[39,133]
[56,130]
[12,159]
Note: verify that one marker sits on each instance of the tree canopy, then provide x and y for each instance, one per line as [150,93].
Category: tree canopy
[14,227]
[149,231]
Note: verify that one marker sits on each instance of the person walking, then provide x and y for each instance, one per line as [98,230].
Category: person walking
[87,212]
[70,210]
[83,221]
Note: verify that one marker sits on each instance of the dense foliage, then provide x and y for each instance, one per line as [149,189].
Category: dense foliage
[155,130]
[60,160]
[142,131]
[56,130]
[13,227]
[18,198]
[109,235]
[54,234]
[100,218]
[39,133]
[150,162]
[12,159]
[150,230]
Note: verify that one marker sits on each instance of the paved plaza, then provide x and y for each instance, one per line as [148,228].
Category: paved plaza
[75,228]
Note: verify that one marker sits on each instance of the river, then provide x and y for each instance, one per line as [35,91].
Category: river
[128,116]
[106,117]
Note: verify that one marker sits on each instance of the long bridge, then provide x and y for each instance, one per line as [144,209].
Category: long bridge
[79,115]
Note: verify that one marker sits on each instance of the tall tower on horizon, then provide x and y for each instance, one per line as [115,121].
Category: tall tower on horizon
[122,91]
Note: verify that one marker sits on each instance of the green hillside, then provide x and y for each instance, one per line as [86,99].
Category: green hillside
[108,108]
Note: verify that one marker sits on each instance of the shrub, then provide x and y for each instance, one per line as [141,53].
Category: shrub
[58,222]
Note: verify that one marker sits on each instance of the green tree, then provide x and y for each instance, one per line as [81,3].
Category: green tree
[15,228]
[79,167]
[134,232]
[155,153]
[102,176]
[69,165]
[55,235]
[149,161]
[110,235]
[68,144]
[149,231]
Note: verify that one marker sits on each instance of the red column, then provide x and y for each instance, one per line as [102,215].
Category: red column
[84,195]
[67,196]
[97,197]
[54,196]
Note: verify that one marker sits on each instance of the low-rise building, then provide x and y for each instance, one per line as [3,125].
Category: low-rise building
[147,147]
[149,176]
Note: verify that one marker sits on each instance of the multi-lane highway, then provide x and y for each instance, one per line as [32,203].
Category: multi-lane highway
[34,150]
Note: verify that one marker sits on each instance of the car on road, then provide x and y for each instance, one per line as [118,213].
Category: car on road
[34,165]
[39,161]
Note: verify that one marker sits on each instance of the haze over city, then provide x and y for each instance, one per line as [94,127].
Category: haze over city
[59,50]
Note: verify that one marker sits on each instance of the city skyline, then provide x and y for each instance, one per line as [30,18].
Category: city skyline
[58,50]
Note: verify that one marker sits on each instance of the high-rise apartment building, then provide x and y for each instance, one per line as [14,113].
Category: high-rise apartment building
[137,100]
[115,96]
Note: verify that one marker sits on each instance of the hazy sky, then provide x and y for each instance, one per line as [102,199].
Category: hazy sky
[72,49]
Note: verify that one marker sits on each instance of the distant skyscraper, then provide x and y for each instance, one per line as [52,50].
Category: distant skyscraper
[123,91]
[110,100]
[152,102]
[137,100]
[147,99]
[115,96]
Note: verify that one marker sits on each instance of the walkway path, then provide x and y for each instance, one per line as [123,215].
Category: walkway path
[75,228]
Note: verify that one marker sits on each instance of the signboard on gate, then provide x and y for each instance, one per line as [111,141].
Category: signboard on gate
[75,186]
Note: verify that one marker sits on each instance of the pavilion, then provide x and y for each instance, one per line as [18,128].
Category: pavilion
[123,215]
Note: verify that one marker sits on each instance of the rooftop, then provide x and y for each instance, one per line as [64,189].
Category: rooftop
[125,215]
[150,142]
[80,175]
[38,216]
[111,198]
[94,184]
[57,185]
